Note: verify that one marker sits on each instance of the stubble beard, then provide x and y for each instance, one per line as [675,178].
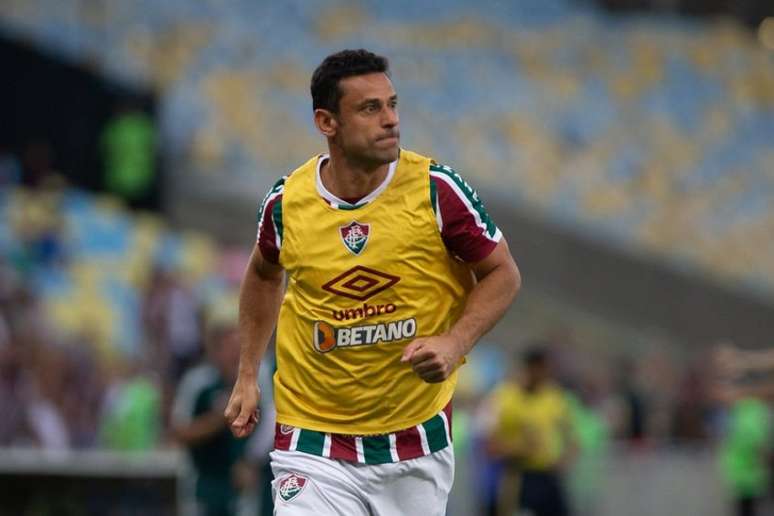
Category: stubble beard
[372,157]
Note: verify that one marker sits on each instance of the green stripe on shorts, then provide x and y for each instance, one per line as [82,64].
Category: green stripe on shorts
[436,434]
[376,449]
[310,442]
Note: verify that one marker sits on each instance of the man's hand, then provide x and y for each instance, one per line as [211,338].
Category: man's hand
[433,358]
[497,282]
[242,409]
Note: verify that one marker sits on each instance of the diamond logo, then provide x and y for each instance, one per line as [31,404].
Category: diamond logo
[355,236]
[291,486]
[360,283]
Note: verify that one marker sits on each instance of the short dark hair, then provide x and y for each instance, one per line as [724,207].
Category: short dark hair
[347,63]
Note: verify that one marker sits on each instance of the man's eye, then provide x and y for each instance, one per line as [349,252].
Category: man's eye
[370,108]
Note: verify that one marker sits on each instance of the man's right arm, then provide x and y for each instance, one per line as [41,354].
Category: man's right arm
[259,302]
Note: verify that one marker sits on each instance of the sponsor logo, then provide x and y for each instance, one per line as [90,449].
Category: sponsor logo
[328,337]
[363,312]
[360,283]
[355,236]
[291,486]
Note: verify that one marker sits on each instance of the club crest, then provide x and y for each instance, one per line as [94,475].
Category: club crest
[355,236]
[291,486]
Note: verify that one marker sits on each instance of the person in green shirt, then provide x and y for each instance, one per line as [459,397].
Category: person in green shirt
[131,419]
[744,381]
[744,453]
[592,437]
[128,145]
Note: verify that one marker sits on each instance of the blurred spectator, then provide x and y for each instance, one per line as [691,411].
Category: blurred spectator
[533,435]
[14,387]
[172,322]
[82,399]
[745,381]
[132,419]
[744,454]
[31,388]
[635,418]
[128,145]
[486,464]
[39,226]
[219,459]
[592,420]
[49,365]
[691,410]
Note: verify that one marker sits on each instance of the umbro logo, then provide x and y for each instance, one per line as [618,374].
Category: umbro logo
[360,283]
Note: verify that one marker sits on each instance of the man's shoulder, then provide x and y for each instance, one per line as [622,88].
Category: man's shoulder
[304,174]
[409,156]
[445,173]
[306,168]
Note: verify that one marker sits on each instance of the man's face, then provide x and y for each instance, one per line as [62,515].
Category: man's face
[367,122]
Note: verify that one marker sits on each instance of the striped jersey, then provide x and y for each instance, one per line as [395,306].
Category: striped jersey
[410,443]
[365,277]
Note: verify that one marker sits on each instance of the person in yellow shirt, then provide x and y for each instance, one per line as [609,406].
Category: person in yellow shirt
[394,270]
[532,435]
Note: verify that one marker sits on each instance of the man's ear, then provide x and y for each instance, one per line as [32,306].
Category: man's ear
[326,122]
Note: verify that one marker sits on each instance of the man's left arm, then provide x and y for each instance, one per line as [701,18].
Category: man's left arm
[498,281]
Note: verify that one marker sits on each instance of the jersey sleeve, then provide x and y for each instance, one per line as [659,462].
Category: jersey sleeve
[270,223]
[466,228]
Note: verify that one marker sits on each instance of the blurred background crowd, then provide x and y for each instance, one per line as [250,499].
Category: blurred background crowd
[626,149]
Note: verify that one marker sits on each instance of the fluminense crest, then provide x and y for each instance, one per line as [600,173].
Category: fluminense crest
[355,236]
[291,486]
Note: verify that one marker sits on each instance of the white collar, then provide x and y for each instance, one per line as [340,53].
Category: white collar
[336,202]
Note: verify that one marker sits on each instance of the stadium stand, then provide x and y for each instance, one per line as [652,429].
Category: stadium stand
[649,135]
[660,143]
[76,251]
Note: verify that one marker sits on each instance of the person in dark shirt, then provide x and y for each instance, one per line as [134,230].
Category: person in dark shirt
[219,459]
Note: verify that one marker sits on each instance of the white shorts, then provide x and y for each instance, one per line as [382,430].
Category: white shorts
[306,484]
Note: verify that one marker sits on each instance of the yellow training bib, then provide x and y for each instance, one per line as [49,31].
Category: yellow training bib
[362,284]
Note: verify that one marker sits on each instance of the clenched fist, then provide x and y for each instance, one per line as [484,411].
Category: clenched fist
[242,409]
[433,358]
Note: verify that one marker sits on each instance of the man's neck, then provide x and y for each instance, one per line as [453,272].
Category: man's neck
[350,180]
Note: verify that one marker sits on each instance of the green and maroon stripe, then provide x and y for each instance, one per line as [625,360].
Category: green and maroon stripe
[417,441]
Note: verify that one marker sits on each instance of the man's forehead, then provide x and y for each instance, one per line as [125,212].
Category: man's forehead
[360,87]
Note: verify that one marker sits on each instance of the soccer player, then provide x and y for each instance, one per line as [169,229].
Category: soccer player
[533,436]
[219,459]
[394,271]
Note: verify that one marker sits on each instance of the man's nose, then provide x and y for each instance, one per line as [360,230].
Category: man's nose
[390,118]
